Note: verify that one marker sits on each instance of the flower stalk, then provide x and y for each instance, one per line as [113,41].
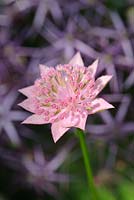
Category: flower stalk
[80,134]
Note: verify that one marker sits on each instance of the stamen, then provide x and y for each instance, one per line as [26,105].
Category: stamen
[77,86]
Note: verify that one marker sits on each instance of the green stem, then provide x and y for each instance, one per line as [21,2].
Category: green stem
[86,159]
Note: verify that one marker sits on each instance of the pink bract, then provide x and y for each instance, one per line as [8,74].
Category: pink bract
[65,95]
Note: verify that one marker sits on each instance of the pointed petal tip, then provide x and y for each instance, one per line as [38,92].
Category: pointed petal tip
[93,67]
[55,136]
[27,91]
[35,119]
[24,122]
[21,91]
[18,104]
[43,67]
[78,53]
[27,121]
[58,131]
[97,61]
[28,104]
[110,76]
[100,104]
[77,59]
[21,105]
[55,140]
[101,82]
[106,78]
[111,106]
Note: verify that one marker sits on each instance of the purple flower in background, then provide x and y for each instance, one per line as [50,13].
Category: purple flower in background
[42,173]
[8,115]
[114,126]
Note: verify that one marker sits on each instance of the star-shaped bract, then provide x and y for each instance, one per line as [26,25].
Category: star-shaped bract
[65,95]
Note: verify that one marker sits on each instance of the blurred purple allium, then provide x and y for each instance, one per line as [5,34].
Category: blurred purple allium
[114,126]
[8,116]
[42,173]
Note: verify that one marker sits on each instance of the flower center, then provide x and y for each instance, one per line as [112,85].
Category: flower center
[63,89]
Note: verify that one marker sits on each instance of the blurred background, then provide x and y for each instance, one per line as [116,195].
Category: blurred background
[51,32]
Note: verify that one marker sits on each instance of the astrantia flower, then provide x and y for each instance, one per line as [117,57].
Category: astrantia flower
[64,96]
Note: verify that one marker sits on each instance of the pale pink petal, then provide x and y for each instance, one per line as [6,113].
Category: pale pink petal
[28,105]
[93,67]
[82,122]
[75,119]
[98,105]
[64,96]
[43,69]
[58,131]
[35,119]
[101,82]
[27,91]
[77,60]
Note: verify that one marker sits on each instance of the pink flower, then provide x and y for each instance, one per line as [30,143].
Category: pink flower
[64,96]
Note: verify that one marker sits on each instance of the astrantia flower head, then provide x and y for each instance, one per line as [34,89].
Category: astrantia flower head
[65,95]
